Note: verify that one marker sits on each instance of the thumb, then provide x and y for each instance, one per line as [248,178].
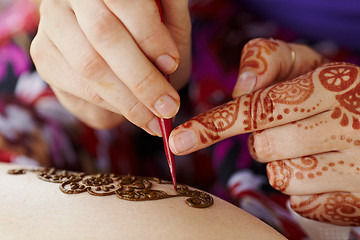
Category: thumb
[177,20]
[265,61]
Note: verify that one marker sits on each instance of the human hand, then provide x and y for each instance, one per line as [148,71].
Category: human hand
[101,58]
[309,135]
[270,61]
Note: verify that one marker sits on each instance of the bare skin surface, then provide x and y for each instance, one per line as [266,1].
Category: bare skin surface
[34,209]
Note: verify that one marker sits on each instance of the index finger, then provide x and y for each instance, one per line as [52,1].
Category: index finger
[334,87]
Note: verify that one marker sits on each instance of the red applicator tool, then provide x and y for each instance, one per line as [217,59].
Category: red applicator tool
[166,126]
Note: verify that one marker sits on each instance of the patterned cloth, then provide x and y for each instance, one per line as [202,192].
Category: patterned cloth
[35,129]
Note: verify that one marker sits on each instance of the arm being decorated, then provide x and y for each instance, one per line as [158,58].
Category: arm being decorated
[33,207]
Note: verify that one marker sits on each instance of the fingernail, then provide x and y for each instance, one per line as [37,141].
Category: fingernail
[182,141]
[246,84]
[166,64]
[154,126]
[166,106]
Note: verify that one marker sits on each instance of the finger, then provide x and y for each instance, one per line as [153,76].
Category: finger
[94,116]
[301,138]
[177,21]
[56,71]
[113,42]
[340,208]
[78,53]
[142,19]
[327,172]
[264,61]
[332,87]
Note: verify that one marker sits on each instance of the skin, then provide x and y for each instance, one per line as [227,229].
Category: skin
[306,128]
[105,63]
[34,209]
[74,52]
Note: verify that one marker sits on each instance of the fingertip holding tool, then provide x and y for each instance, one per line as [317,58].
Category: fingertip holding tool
[166,126]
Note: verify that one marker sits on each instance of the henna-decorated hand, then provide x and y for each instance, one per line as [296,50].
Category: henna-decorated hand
[309,134]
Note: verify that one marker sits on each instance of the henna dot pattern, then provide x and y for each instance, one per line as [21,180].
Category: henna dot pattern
[344,138]
[340,208]
[129,188]
[340,78]
[261,104]
[281,172]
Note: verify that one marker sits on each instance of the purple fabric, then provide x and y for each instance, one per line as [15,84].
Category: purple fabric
[315,19]
[12,54]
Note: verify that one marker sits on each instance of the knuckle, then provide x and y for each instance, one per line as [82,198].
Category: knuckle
[92,96]
[181,32]
[90,64]
[133,111]
[151,36]
[102,29]
[106,121]
[36,52]
[143,81]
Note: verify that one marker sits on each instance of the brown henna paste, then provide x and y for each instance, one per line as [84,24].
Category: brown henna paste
[281,172]
[129,188]
[253,54]
[261,104]
[337,208]
[216,120]
[340,77]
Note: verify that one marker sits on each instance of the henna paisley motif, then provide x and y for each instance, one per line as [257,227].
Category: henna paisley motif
[217,120]
[281,172]
[261,104]
[351,100]
[129,188]
[337,208]
[337,78]
[308,163]
[293,92]
[252,56]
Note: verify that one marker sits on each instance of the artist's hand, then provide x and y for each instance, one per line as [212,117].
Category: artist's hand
[102,57]
[309,134]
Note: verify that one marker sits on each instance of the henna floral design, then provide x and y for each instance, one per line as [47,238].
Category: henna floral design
[261,104]
[252,54]
[216,120]
[337,208]
[338,78]
[261,108]
[293,92]
[281,172]
[335,77]
[129,188]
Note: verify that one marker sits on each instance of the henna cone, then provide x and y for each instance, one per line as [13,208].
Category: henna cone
[166,127]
